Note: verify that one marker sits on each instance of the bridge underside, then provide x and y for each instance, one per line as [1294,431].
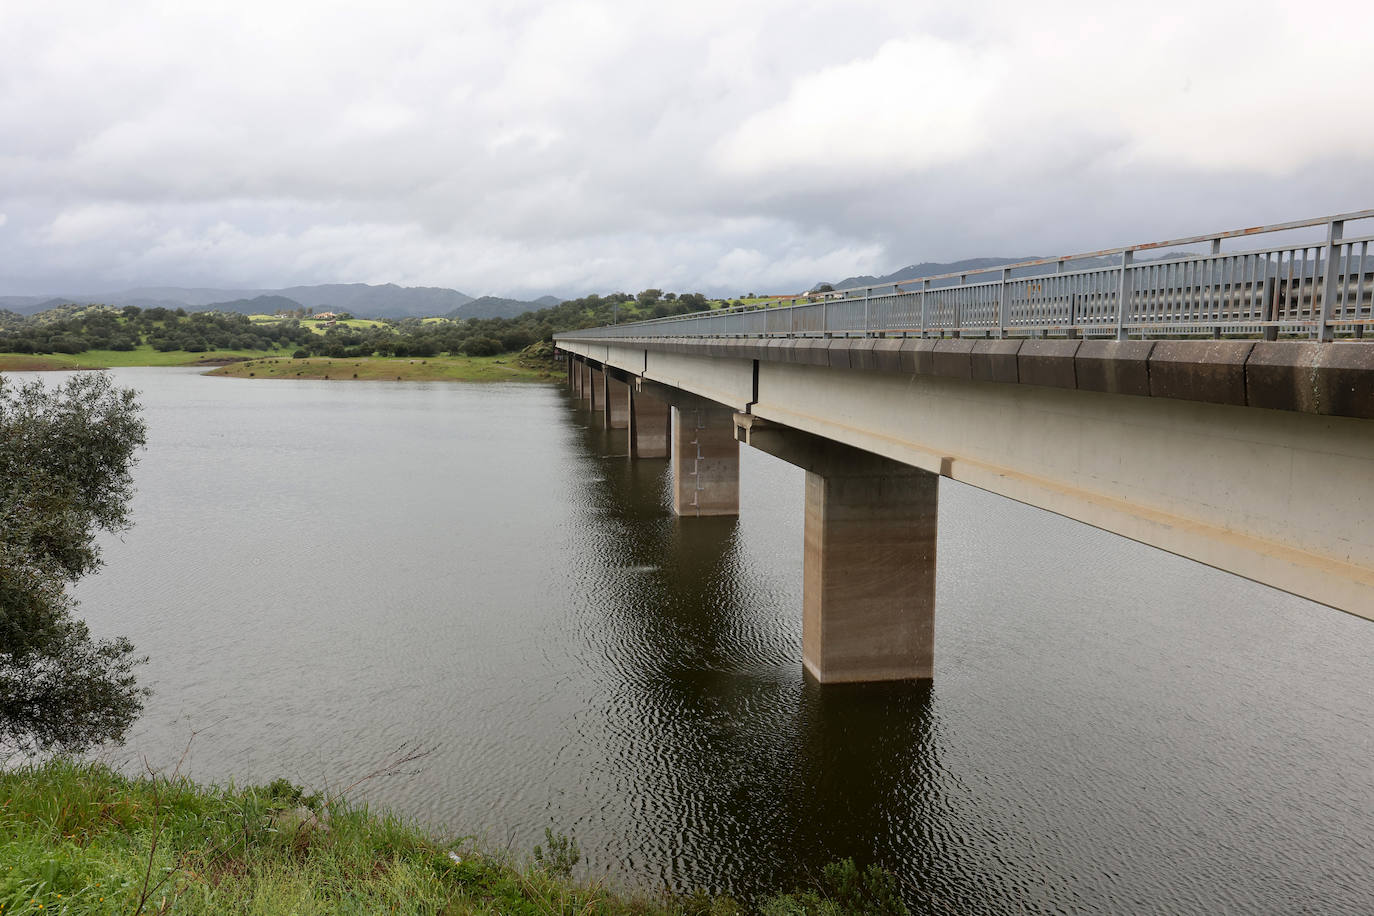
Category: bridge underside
[1281,496]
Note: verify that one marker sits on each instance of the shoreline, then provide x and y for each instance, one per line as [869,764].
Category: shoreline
[162,842]
[508,367]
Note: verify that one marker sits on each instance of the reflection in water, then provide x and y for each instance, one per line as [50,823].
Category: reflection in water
[755,764]
[352,566]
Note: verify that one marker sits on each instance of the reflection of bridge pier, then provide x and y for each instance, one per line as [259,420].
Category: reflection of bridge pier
[1081,390]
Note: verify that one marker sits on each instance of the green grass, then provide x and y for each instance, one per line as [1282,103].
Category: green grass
[142,355]
[509,367]
[81,840]
[319,327]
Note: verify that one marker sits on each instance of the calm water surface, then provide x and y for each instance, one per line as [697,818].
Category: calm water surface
[323,572]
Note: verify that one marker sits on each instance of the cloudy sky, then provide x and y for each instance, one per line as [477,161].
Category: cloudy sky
[521,148]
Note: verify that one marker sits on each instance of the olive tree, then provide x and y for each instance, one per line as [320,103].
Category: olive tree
[66,459]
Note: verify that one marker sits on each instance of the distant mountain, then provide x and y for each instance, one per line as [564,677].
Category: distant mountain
[926,269]
[32,305]
[933,269]
[24,305]
[497,307]
[385,301]
[258,305]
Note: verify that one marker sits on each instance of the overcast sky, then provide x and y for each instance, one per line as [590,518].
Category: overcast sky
[521,148]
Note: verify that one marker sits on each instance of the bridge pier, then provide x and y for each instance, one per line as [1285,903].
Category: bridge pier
[705,458]
[617,403]
[868,590]
[649,424]
[584,381]
[596,388]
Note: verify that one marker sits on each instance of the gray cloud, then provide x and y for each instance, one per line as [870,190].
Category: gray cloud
[519,148]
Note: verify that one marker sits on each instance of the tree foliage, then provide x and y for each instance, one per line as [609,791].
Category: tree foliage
[66,458]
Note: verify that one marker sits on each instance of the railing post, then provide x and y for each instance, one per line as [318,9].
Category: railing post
[1334,231]
[825,316]
[1004,304]
[959,308]
[1123,293]
[925,288]
[866,291]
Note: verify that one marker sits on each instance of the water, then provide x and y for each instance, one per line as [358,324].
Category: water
[325,572]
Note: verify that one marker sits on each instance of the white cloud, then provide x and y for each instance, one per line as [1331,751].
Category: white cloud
[918,102]
[96,222]
[569,146]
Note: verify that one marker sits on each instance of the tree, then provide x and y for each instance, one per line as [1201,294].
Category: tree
[66,457]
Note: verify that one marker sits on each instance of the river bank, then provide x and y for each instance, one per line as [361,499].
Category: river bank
[525,366]
[119,359]
[508,368]
[81,839]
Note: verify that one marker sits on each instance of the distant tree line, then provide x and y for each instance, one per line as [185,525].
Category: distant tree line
[73,329]
[76,330]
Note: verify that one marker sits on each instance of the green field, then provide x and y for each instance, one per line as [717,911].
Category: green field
[506,368]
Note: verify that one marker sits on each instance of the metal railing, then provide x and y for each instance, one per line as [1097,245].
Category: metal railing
[1316,289]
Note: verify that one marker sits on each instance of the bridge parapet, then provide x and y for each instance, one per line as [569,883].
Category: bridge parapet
[1332,379]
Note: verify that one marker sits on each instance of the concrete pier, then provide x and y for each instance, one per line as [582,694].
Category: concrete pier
[705,461]
[580,374]
[868,590]
[596,384]
[650,422]
[617,406]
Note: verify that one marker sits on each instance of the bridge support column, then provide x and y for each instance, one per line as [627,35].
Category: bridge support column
[617,405]
[649,423]
[580,380]
[705,461]
[868,591]
[596,388]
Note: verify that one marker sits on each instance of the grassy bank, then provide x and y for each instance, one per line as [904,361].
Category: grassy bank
[142,355]
[509,367]
[260,364]
[80,839]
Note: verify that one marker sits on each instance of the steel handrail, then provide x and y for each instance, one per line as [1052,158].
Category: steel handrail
[1264,290]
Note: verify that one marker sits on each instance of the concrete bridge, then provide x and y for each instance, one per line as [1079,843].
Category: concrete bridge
[1167,401]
